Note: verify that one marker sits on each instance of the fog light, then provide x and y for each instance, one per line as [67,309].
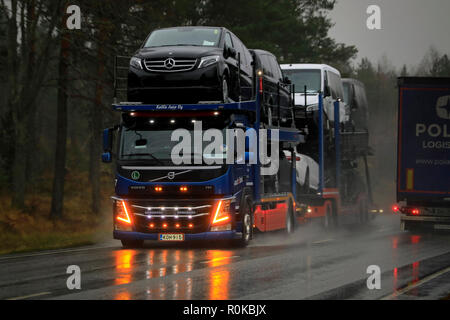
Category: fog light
[225,227]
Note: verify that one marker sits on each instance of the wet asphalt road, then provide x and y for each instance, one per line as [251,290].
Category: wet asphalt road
[312,264]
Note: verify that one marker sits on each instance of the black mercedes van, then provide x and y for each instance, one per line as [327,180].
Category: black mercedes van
[190,65]
[355,96]
[274,87]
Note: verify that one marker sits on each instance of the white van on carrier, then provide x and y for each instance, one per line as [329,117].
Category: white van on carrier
[309,80]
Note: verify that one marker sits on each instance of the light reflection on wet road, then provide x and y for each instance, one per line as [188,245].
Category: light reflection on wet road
[312,264]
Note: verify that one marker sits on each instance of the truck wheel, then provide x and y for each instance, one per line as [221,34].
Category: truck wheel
[247,225]
[335,215]
[130,244]
[290,219]
[331,219]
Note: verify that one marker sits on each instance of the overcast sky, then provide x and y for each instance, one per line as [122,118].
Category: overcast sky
[409,28]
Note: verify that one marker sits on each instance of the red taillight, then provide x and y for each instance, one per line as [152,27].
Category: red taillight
[123,215]
[395,208]
[260,85]
[415,212]
[289,158]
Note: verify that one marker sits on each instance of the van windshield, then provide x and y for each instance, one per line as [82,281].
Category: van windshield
[304,77]
[205,37]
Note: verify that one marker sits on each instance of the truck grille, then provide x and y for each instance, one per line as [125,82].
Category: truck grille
[170,64]
[191,217]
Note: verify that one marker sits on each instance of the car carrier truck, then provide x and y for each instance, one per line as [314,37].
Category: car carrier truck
[423,154]
[158,200]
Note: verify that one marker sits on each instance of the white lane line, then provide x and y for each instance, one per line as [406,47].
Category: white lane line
[323,241]
[30,296]
[50,253]
[415,285]
[219,259]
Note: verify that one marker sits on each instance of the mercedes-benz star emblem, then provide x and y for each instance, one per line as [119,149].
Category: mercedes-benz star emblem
[169,63]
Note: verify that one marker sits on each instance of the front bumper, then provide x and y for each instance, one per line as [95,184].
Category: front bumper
[174,87]
[223,235]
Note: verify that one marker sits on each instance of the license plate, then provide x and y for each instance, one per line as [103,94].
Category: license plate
[171,237]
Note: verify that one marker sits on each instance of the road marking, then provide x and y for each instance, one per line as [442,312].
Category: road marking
[30,296]
[219,259]
[323,241]
[18,256]
[415,285]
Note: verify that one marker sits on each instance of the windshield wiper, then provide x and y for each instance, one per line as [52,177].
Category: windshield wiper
[144,154]
[176,45]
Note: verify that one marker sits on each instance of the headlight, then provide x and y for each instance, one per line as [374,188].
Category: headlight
[136,63]
[222,213]
[208,61]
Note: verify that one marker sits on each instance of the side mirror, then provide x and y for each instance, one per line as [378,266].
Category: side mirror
[107,145]
[233,53]
[286,80]
[327,91]
[229,52]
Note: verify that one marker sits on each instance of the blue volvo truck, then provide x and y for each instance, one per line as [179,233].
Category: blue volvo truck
[158,200]
[423,156]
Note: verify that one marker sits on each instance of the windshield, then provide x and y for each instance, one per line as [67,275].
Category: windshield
[149,139]
[206,37]
[301,78]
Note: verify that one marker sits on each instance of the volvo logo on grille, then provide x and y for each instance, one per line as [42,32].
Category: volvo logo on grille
[171,175]
[169,63]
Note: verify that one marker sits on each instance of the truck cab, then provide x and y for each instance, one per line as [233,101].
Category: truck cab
[159,199]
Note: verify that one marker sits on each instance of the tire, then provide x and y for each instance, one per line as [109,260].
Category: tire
[131,244]
[290,219]
[225,89]
[247,225]
[330,220]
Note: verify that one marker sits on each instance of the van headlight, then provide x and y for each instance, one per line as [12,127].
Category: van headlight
[136,63]
[208,61]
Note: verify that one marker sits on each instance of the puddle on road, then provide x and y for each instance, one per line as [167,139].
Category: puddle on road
[162,263]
